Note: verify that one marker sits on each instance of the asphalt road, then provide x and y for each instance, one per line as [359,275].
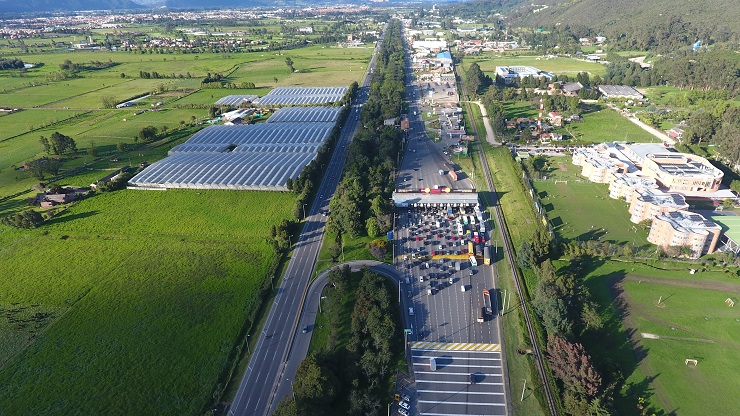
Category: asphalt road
[444,322]
[263,385]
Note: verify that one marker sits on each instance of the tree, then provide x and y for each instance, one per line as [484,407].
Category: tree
[26,219]
[590,317]
[289,64]
[45,143]
[701,126]
[314,384]
[61,144]
[52,166]
[377,248]
[92,151]
[108,102]
[289,184]
[148,133]
[286,407]
[36,168]
[372,227]
[525,255]
[572,365]
[121,146]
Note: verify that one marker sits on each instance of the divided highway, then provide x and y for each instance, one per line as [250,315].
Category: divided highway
[263,384]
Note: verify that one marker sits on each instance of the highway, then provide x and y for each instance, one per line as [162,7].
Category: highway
[263,384]
[447,300]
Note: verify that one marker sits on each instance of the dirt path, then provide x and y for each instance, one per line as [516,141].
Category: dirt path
[694,284]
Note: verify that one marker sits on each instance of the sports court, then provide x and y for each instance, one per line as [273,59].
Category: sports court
[730,224]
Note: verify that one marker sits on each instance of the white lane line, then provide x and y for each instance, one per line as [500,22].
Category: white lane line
[461,366]
[461,392]
[457,374]
[463,403]
[456,382]
[450,414]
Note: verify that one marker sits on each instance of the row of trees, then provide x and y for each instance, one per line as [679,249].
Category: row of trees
[359,206]
[353,376]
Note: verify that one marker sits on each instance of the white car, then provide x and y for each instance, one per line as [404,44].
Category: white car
[403,412]
[404,405]
[411,311]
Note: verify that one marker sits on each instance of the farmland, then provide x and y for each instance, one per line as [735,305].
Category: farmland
[691,320]
[131,272]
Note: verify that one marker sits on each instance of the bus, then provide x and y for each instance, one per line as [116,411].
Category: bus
[473,261]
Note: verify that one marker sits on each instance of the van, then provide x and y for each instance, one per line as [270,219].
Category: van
[433,363]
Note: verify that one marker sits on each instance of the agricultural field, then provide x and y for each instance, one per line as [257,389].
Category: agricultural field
[688,315]
[560,65]
[582,210]
[132,271]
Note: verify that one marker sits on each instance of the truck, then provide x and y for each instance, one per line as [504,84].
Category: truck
[453,175]
[441,172]
[487,255]
[480,315]
[473,261]
[471,249]
[487,302]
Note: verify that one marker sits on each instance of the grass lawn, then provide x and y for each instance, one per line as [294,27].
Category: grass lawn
[583,210]
[692,308]
[560,65]
[117,277]
[601,124]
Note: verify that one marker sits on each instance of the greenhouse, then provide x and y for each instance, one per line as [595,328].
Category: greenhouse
[305,115]
[302,96]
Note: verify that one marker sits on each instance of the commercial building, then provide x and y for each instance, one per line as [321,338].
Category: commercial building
[682,172]
[623,185]
[646,204]
[511,73]
[683,228]
[597,166]
[620,91]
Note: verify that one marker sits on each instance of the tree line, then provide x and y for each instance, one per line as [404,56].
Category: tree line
[11,63]
[359,206]
[351,376]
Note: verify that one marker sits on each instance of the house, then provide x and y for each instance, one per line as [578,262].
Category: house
[675,133]
[555,118]
[593,58]
[571,88]
[390,121]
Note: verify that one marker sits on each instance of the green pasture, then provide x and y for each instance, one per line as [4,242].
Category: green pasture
[583,210]
[560,65]
[601,124]
[692,308]
[133,292]
[317,66]
[21,122]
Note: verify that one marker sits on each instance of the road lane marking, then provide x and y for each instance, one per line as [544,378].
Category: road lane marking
[455,374]
[455,346]
[462,403]
[460,392]
[460,365]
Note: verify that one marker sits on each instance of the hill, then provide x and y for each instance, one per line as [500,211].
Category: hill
[8,6]
[639,24]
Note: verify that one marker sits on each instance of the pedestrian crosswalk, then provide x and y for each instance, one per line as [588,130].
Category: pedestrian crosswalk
[455,346]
